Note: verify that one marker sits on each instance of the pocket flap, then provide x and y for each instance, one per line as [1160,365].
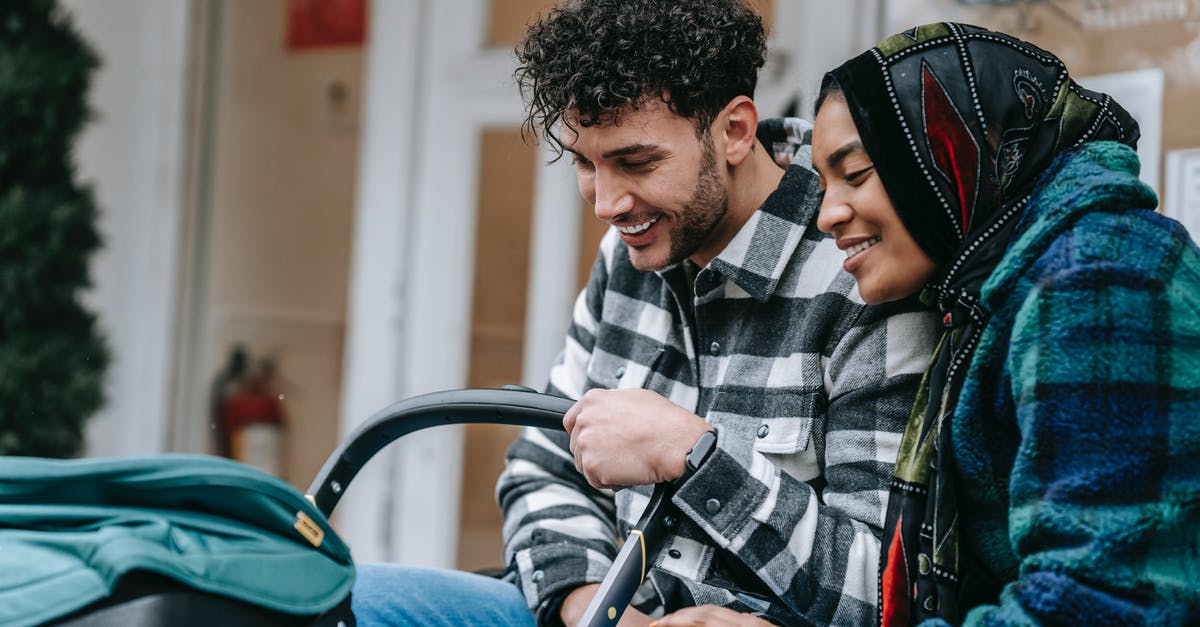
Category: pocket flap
[784,417]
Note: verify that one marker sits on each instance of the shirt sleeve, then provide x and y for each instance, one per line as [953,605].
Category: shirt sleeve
[1103,509]
[816,543]
[559,532]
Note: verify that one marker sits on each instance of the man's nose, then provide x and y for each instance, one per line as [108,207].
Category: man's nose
[612,198]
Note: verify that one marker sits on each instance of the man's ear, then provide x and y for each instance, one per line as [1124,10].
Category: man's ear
[739,122]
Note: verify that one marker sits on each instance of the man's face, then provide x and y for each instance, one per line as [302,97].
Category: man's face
[656,181]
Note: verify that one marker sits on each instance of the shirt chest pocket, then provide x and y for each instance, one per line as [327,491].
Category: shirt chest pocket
[786,425]
[606,370]
[778,422]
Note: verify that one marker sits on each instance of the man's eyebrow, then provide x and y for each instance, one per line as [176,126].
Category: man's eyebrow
[624,151]
[629,150]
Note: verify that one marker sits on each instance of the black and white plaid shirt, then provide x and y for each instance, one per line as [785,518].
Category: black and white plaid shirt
[809,390]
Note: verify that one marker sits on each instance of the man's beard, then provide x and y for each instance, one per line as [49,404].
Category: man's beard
[701,214]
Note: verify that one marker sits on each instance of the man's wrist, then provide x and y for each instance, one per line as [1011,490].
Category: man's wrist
[681,455]
[575,602]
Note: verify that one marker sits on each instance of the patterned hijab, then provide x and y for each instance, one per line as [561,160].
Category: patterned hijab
[959,122]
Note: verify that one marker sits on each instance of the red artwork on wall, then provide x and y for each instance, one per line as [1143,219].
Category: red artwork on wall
[324,23]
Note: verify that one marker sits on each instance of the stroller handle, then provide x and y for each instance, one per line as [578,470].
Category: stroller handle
[511,405]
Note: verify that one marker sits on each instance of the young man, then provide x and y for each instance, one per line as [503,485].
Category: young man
[715,305]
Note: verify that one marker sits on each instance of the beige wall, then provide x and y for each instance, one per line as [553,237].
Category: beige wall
[281,206]
[507,22]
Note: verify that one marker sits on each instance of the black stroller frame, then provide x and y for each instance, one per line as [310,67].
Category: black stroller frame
[143,599]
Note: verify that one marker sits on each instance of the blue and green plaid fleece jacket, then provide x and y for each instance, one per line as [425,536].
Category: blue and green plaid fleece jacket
[1077,436]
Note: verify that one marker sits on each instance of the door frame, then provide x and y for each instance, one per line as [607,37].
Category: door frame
[431,89]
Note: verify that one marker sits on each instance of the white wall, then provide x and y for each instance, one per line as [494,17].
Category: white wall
[372,372]
[132,155]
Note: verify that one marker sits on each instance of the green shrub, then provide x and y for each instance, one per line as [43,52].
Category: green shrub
[52,358]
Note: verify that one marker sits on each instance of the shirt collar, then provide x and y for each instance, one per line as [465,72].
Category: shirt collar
[757,256]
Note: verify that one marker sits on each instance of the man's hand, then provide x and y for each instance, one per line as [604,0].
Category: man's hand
[577,601]
[710,615]
[630,437]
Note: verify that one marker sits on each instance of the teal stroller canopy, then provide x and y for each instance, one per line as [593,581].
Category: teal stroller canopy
[70,529]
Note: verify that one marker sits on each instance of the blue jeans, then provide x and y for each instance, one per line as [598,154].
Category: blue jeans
[391,594]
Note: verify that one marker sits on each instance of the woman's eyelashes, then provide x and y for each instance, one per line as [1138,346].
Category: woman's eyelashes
[857,176]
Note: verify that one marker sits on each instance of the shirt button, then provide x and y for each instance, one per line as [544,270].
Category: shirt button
[675,553]
[537,576]
[930,604]
[712,506]
[763,430]
[620,372]
[714,349]
[669,521]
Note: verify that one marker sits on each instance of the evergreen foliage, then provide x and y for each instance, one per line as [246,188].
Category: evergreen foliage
[52,358]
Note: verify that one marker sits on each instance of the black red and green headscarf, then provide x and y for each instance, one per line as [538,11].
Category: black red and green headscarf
[960,122]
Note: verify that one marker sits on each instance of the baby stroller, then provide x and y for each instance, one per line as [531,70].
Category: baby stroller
[184,515]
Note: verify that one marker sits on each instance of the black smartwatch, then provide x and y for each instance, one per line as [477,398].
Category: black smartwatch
[700,452]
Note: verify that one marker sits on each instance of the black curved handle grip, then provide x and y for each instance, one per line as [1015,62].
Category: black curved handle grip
[510,406]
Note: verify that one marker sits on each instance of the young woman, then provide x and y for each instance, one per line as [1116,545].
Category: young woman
[1050,472]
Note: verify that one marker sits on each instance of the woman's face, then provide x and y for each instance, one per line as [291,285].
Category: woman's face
[881,254]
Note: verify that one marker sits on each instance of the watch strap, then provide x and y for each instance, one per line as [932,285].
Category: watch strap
[700,451]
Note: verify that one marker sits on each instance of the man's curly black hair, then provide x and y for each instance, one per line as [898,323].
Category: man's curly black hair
[595,57]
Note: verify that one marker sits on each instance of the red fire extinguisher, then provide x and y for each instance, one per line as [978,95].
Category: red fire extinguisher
[253,422]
